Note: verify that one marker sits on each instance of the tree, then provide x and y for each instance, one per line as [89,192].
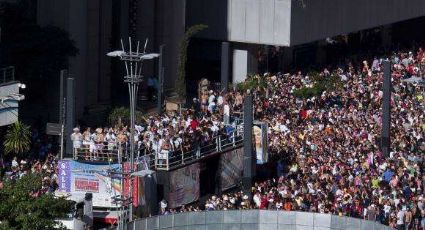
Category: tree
[17,138]
[181,77]
[22,210]
[319,85]
[121,115]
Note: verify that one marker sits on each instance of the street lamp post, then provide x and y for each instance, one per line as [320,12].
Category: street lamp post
[133,61]
[123,202]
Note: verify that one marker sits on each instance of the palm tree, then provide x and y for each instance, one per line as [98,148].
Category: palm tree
[17,139]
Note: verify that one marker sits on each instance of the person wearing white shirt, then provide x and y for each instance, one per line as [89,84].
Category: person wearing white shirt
[257,200]
[226,113]
[400,219]
[211,107]
[177,142]
[211,98]
[214,128]
[77,139]
[220,100]
[15,162]
[188,121]
[155,145]
[283,128]
[111,139]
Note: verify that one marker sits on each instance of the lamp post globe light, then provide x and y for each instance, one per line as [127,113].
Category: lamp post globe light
[133,60]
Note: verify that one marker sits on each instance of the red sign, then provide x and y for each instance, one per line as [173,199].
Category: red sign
[135,185]
[86,185]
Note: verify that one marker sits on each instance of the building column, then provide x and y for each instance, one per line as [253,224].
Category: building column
[386,37]
[249,162]
[240,65]
[386,110]
[224,74]
[70,115]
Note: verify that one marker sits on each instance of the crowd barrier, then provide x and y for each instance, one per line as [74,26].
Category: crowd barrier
[107,151]
[163,160]
[220,143]
[253,220]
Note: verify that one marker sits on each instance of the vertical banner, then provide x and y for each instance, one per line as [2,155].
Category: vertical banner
[64,176]
[184,185]
[231,167]
[259,131]
[136,181]
[142,164]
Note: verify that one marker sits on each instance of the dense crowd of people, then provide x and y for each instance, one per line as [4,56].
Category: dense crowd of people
[162,135]
[332,140]
[41,159]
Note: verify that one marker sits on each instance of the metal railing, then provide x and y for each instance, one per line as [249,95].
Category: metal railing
[105,151]
[253,219]
[164,159]
[167,160]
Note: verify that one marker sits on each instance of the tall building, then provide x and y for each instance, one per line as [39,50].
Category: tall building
[97,26]
[89,23]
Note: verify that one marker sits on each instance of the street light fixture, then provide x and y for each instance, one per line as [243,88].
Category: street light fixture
[142,173]
[133,61]
[22,86]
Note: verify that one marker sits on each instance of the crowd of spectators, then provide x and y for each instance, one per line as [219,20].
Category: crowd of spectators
[39,160]
[163,135]
[332,140]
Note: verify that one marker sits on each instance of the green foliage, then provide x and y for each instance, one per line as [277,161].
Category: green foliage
[181,75]
[320,84]
[20,210]
[17,139]
[121,116]
[252,82]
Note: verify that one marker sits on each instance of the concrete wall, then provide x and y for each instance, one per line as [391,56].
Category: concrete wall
[294,22]
[253,220]
[250,21]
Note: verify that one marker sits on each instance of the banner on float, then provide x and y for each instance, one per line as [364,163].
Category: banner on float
[77,178]
[261,144]
[184,185]
[231,167]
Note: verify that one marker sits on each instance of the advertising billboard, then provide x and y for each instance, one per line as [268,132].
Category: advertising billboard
[260,136]
[77,178]
[184,185]
[231,168]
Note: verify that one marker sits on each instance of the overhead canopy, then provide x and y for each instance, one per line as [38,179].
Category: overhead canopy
[294,22]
